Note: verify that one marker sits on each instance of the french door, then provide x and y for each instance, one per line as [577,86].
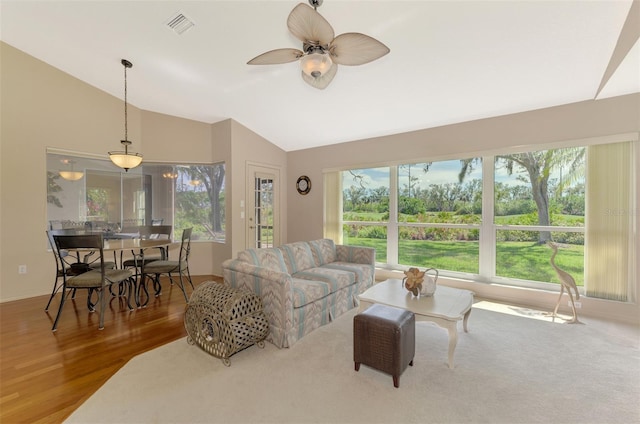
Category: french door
[263,223]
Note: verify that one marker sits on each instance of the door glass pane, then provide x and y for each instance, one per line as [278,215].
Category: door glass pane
[263,214]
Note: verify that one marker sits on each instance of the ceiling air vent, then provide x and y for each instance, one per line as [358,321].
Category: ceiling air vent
[179,23]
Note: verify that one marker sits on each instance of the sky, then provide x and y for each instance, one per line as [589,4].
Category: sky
[439,173]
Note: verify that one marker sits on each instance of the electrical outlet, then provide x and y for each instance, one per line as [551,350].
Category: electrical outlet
[22,269]
[578,304]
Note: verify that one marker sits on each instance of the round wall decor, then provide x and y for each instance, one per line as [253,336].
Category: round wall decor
[303,185]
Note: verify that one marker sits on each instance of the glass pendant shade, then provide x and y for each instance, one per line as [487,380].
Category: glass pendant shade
[125,160]
[315,64]
[71,175]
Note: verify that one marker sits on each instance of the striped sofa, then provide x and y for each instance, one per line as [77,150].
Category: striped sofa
[303,285]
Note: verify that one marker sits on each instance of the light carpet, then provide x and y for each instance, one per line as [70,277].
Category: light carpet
[514,366]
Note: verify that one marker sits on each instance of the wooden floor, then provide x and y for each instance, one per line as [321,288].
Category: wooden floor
[45,376]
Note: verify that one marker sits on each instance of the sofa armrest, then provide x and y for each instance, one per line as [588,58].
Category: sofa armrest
[275,288]
[356,254]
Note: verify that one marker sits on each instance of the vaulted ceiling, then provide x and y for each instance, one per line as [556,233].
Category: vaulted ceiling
[450,61]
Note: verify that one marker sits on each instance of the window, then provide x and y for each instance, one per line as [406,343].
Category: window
[491,218]
[439,216]
[539,196]
[103,197]
[366,208]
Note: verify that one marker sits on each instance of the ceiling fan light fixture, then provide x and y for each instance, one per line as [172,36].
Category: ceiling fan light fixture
[316,63]
[322,51]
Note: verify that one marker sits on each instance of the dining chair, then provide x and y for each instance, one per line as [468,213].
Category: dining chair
[94,280]
[154,269]
[150,232]
[69,263]
[62,265]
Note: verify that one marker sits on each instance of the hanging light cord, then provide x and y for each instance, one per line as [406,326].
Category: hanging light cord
[126,141]
[125,106]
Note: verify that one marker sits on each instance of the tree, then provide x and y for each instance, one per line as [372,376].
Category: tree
[211,178]
[539,167]
[356,196]
[413,181]
[53,187]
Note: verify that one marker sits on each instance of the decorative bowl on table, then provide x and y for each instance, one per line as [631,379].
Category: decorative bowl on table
[420,283]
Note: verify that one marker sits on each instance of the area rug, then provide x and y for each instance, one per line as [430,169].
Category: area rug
[513,366]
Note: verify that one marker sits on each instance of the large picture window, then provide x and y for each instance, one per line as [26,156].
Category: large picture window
[101,197]
[493,218]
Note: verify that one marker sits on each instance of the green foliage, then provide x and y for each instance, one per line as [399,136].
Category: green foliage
[98,203]
[52,188]
[365,231]
[530,261]
[521,260]
[410,206]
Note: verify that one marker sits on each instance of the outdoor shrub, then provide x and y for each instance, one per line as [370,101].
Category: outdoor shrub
[372,232]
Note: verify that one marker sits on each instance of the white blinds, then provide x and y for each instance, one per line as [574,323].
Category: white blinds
[333,206]
[609,239]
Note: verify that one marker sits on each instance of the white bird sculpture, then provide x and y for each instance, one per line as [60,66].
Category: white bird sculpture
[566,282]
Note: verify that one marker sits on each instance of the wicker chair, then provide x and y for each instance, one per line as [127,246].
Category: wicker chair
[94,280]
[154,269]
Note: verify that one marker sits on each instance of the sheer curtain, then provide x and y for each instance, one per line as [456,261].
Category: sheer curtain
[333,206]
[610,222]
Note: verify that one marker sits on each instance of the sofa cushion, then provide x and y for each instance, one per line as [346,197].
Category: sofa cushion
[324,251]
[363,272]
[267,258]
[297,256]
[335,278]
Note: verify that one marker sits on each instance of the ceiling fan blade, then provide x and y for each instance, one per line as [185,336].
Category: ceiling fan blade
[353,48]
[277,56]
[323,81]
[309,26]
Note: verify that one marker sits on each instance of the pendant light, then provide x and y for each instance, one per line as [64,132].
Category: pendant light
[70,175]
[125,159]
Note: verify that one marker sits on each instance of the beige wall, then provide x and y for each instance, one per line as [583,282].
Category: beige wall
[585,120]
[42,107]
[248,148]
[171,139]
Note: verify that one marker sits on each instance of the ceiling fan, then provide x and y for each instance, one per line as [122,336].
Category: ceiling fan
[321,52]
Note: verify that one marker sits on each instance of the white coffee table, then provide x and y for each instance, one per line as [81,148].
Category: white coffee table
[445,308]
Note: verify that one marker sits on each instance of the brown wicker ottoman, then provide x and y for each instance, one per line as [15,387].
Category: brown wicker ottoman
[384,338]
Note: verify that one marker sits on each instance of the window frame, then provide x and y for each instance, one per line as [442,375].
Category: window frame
[488,229]
[102,164]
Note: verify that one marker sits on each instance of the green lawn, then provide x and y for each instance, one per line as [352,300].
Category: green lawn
[523,260]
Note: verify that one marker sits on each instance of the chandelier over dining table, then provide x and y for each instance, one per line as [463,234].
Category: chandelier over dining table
[125,159]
